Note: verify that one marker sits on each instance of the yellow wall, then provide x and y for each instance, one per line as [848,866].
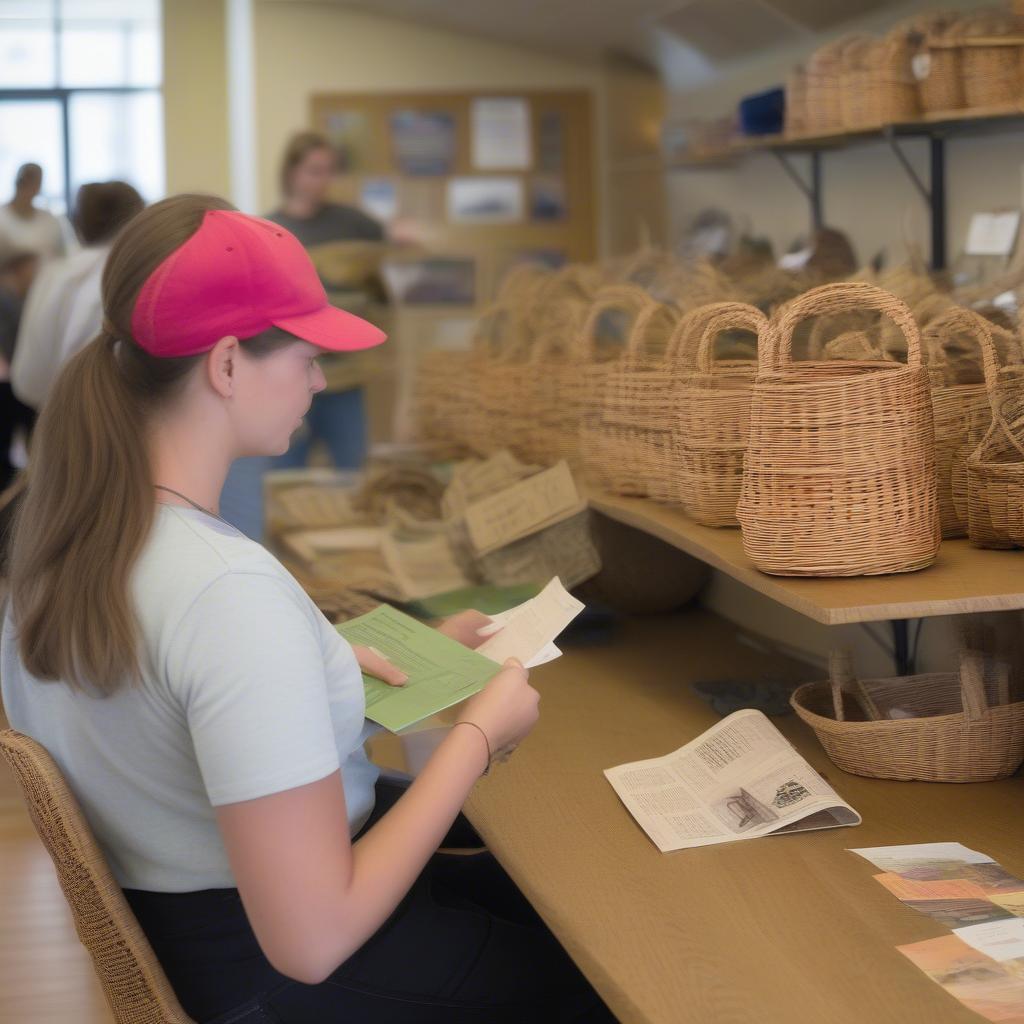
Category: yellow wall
[195,97]
[303,48]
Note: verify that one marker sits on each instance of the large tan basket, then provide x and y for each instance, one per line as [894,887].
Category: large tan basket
[839,475]
[503,372]
[958,732]
[572,372]
[995,469]
[878,85]
[961,410]
[796,102]
[711,418]
[936,62]
[991,58]
[625,438]
[824,105]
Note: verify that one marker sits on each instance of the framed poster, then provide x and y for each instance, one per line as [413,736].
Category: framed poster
[423,142]
[485,200]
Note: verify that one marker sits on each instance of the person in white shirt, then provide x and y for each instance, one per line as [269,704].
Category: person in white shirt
[25,226]
[206,715]
[63,310]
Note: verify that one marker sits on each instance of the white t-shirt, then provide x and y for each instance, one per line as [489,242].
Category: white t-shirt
[41,233]
[246,690]
[63,313]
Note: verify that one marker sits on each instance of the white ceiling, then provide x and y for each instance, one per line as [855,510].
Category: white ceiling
[717,30]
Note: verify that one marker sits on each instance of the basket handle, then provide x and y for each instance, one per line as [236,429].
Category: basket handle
[625,297]
[990,362]
[958,319]
[644,331]
[685,339]
[727,315]
[837,298]
[840,677]
[972,685]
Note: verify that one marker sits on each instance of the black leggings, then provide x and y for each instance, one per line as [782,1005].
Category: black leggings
[463,947]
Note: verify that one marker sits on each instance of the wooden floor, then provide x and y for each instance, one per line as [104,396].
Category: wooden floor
[46,976]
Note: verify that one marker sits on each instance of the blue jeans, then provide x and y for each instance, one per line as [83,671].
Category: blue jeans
[338,418]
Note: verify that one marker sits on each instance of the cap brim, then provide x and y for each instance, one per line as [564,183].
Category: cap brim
[333,329]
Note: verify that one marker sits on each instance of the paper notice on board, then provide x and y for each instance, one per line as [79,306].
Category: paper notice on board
[501,134]
[524,508]
[992,234]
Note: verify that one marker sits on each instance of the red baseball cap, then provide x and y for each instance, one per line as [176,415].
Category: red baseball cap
[240,275]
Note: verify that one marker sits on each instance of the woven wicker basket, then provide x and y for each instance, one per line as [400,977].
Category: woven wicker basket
[503,372]
[991,58]
[877,80]
[960,409]
[711,417]
[957,732]
[624,439]
[995,469]
[824,110]
[936,62]
[796,102]
[573,367]
[839,476]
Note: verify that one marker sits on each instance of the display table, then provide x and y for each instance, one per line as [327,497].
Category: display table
[787,930]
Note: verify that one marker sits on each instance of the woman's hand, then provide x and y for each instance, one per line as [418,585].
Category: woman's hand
[464,627]
[374,663]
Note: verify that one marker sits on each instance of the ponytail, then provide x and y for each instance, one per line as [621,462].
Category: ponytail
[89,501]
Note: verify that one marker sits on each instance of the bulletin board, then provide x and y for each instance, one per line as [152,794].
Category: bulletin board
[488,179]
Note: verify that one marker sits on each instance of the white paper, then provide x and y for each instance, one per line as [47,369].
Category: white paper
[992,234]
[741,779]
[423,566]
[501,134]
[795,260]
[885,857]
[1001,940]
[529,630]
[523,509]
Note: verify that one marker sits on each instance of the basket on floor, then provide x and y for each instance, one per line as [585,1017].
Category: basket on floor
[960,408]
[624,437]
[946,726]
[995,469]
[711,417]
[839,475]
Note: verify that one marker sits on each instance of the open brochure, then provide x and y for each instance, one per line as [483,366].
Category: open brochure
[739,780]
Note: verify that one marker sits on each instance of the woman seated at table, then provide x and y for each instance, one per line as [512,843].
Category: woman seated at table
[199,704]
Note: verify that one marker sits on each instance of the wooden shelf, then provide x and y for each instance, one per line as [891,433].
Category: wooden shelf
[962,580]
[941,122]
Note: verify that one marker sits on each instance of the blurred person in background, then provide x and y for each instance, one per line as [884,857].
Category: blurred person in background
[63,311]
[338,414]
[17,271]
[25,226]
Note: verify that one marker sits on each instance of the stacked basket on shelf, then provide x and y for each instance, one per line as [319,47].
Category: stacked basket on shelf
[622,429]
[839,473]
[995,469]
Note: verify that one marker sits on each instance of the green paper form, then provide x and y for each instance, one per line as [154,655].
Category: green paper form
[441,671]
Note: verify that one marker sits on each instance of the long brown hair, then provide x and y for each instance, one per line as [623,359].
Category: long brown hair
[89,502]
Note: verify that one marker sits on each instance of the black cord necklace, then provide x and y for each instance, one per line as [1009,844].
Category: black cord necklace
[194,504]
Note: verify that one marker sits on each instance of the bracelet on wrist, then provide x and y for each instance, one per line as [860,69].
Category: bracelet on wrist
[487,742]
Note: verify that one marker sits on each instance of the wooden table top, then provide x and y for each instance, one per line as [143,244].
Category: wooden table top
[962,580]
[786,930]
